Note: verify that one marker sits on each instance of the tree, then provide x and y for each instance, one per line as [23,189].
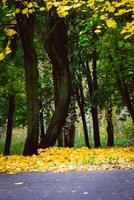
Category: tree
[110,131]
[57,49]
[80,100]
[26,31]
[96,22]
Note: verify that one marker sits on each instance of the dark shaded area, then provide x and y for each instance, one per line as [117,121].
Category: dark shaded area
[93,185]
[9,125]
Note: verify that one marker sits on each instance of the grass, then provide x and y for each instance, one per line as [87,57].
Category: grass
[123,138]
[18,140]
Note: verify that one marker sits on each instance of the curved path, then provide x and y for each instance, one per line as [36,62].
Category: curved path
[92,185]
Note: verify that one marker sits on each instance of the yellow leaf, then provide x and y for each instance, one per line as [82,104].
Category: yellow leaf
[25,11]
[111,23]
[90,3]
[2,56]
[17,10]
[30,5]
[7,50]
[103,17]
[42,9]
[30,10]
[98,31]
[10,32]
[4,2]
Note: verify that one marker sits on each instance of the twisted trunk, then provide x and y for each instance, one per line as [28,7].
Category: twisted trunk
[57,49]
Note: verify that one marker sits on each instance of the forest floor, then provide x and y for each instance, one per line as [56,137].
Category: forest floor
[91,185]
[70,159]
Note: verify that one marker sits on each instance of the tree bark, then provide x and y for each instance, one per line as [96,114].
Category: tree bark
[110,130]
[60,140]
[80,100]
[94,108]
[126,97]
[57,49]
[69,126]
[9,125]
[26,30]
[92,87]
[13,46]
[41,121]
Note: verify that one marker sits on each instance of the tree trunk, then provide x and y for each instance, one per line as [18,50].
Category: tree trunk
[41,122]
[92,87]
[56,88]
[69,126]
[9,125]
[60,140]
[126,97]
[94,112]
[69,136]
[57,49]
[94,108]
[13,46]
[26,30]
[80,100]
[110,130]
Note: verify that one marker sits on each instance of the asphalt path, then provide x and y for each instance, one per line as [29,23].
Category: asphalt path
[92,185]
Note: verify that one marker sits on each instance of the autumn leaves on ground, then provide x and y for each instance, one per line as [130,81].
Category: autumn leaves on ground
[68,159]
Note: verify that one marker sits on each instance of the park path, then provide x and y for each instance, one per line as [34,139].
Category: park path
[91,185]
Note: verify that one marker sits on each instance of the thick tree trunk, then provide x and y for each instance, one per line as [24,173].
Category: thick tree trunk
[60,140]
[26,30]
[126,97]
[9,125]
[94,112]
[110,130]
[69,136]
[61,110]
[80,100]
[57,49]
[56,88]
[92,87]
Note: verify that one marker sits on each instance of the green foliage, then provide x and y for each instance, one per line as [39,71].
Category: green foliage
[18,140]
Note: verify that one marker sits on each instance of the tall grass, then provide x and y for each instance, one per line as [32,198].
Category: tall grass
[124,135]
[18,140]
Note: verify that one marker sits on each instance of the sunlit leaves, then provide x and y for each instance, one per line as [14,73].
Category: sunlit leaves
[108,12]
[5,52]
[109,6]
[66,159]
[111,23]
[90,3]
[2,56]
[10,32]
[128,29]
[17,10]
[4,3]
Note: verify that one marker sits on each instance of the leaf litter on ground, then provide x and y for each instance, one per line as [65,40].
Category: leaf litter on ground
[70,159]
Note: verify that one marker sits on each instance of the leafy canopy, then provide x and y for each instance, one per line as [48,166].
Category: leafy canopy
[108,12]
